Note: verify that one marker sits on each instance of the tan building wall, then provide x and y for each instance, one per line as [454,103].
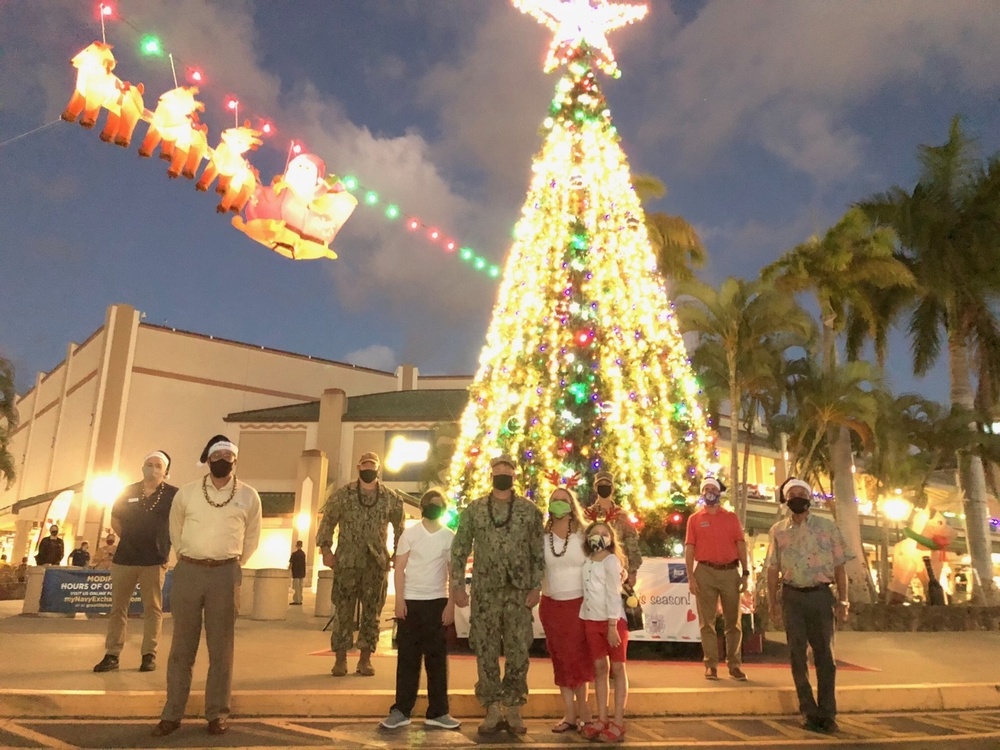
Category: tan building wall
[132,387]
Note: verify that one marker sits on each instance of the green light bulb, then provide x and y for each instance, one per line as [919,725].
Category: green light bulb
[392,212]
[150,45]
[349,182]
[371,197]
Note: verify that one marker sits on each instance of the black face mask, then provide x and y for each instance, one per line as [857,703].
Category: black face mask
[798,504]
[604,490]
[220,468]
[432,511]
[368,475]
[503,482]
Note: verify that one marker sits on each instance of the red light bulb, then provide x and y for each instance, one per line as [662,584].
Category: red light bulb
[266,128]
[195,75]
[413,224]
[296,148]
[232,104]
[435,234]
[106,10]
[450,246]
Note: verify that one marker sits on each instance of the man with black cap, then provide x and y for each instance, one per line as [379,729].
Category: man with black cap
[362,510]
[215,528]
[807,554]
[605,509]
[141,518]
[715,550]
[505,535]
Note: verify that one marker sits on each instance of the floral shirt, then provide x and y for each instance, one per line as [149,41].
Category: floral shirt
[806,554]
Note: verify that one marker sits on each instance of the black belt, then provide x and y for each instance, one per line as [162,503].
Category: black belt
[806,589]
[721,566]
[206,563]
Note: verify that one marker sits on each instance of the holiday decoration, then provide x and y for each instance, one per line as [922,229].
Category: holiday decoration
[236,177]
[300,213]
[96,88]
[928,535]
[581,25]
[583,350]
[172,127]
[124,112]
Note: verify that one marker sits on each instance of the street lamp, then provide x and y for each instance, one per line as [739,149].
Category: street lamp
[895,509]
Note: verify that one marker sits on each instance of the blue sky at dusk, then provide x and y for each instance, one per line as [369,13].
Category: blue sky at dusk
[765,120]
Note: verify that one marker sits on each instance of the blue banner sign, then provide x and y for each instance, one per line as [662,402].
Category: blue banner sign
[88,591]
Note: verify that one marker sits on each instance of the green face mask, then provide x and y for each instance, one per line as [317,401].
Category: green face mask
[559,508]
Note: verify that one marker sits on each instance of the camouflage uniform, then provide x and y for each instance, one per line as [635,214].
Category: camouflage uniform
[507,565]
[361,574]
[618,519]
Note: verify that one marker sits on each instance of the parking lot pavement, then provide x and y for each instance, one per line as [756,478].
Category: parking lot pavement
[964,730]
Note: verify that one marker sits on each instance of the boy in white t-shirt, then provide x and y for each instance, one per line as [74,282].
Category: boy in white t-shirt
[423,611]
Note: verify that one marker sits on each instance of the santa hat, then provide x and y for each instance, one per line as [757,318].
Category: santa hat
[218,443]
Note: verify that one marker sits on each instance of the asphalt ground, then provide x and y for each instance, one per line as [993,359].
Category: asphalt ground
[956,730]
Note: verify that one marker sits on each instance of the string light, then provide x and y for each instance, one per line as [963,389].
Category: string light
[584,367]
[150,45]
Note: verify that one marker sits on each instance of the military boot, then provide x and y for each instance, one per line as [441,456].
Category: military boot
[514,721]
[365,668]
[493,721]
[340,665]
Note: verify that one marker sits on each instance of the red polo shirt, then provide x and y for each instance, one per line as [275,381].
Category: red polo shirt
[714,536]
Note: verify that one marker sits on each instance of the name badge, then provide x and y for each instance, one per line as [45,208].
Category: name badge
[133,500]
[705,524]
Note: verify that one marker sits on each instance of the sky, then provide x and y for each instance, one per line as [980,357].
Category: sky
[765,120]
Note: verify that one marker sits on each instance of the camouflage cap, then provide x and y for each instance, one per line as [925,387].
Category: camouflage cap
[503,458]
[369,457]
[604,476]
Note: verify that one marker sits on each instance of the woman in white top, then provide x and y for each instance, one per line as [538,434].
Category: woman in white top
[607,631]
[559,609]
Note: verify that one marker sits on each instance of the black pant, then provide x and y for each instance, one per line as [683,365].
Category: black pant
[809,622]
[422,636]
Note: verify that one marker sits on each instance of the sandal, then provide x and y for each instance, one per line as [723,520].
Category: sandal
[612,733]
[593,729]
[563,726]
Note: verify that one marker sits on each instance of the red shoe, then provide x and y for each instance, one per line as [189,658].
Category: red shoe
[594,728]
[612,733]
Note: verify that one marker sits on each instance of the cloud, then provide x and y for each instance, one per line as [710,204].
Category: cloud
[376,357]
[789,76]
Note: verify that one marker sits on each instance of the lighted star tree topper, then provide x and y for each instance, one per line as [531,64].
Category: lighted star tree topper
[583,368]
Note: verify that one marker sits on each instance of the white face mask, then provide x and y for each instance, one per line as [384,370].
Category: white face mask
[153,473]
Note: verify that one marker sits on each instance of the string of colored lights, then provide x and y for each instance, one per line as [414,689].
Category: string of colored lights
[151,46]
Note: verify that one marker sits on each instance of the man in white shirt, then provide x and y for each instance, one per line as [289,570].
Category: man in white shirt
[214,528]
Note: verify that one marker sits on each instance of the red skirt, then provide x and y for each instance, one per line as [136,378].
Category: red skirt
[566,641]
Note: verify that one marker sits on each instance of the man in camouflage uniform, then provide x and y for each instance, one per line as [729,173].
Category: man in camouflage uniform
[363,510]
[504,532]
[604,509]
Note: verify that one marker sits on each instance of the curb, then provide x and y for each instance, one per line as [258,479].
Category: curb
[642,702]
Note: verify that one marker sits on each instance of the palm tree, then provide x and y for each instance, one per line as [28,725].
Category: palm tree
[678,248]
[8,421]
[848,269]
[947,233]
[736,320]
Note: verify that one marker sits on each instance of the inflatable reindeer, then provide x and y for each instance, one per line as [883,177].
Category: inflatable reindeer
[236,176]
[171,127]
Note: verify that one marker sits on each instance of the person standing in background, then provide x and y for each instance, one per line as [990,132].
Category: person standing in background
[297,564]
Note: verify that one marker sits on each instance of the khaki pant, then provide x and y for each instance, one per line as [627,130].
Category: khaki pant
[713,586]
[123,582]
[213,593]
[297,590]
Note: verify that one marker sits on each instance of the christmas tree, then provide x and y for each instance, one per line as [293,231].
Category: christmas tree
[584,368]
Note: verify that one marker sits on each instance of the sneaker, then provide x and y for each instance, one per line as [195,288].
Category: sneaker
[443,722]
[148,663]
[395,720]
[711,673]
[108,664]
[738,674]
[831,726]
